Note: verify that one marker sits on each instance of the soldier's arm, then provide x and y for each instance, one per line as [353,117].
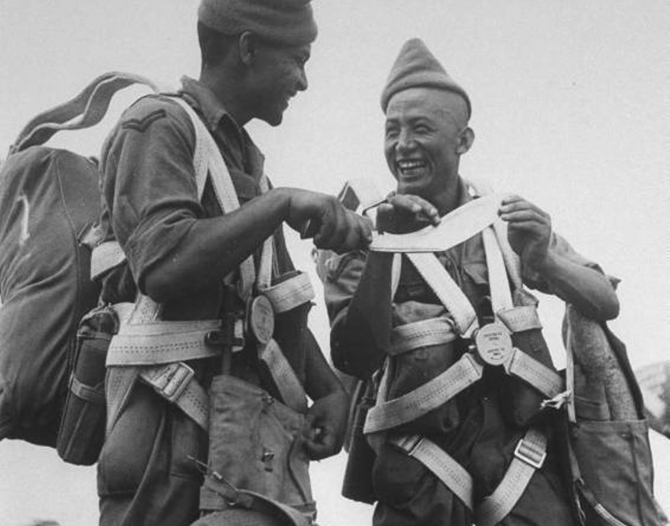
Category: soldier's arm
[531,237]
[157,217]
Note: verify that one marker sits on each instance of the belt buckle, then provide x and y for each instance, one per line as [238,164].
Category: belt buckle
[174,380]
[528,453]
[493,344]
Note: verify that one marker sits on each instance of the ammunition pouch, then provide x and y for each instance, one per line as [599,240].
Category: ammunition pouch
[82,427]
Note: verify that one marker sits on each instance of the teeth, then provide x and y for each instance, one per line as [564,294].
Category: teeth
[410,165]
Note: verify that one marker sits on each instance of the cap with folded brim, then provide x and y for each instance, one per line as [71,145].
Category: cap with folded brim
[287,22]
[416,67]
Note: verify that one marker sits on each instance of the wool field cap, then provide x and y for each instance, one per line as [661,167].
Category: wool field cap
[286,22]
[416,67]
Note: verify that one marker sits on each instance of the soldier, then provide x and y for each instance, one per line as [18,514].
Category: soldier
[179,249]
[451,431]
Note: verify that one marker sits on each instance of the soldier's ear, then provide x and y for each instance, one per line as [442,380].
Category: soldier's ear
[465,140]
[247,44]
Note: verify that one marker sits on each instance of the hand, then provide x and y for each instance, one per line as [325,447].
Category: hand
[324,218]
[402,213]
[529,230]
[326,425]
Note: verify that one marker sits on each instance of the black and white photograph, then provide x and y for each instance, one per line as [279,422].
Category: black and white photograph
[332,263]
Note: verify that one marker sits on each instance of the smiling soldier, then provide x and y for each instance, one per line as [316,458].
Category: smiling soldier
[226,309]
[458,438]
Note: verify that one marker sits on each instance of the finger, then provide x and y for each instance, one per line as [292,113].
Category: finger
[525,215]
[519,205]
[531,227]
[331,219]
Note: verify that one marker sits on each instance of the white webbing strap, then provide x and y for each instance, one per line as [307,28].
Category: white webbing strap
[501,297]
[161,342]
[290,293]
[519,319]
[289,386]
[424,333]
[285,378]
[431,395]
[454,228]
[541,377]
[440,463]
[448,292]
[221,182]
[528,457]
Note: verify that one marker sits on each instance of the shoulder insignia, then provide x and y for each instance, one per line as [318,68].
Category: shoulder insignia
[141,124]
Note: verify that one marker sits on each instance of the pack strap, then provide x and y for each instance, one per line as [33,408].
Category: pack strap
[529,456]
[289,386]
[431,395]
[83,111]
[440,463]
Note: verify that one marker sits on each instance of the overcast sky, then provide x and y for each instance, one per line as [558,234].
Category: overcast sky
[570,109]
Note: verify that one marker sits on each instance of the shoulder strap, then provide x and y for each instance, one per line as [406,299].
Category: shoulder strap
[83,111]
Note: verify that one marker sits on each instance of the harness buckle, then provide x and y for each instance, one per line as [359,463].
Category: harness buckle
[493,344]
[172,380]
[530,453]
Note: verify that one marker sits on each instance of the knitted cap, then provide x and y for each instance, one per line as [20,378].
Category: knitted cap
[416,67]
[287,22]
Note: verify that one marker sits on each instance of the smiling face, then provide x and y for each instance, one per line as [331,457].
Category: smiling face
[426,133]
[280,75]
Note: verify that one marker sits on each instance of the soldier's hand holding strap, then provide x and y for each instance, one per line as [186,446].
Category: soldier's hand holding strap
[326,425]
[324,218]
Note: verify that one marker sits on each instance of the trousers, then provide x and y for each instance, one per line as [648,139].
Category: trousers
[146,474]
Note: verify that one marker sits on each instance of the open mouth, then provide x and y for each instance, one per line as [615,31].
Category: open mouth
[412,167]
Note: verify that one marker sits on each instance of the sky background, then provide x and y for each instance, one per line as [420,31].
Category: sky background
[570,109]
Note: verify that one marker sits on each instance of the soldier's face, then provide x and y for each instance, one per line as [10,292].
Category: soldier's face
[280,76]
[422,140]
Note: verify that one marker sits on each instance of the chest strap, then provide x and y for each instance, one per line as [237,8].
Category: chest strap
[469,369]
[529,456]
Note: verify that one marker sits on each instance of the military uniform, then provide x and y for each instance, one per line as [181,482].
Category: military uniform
[146,472]
[478,428]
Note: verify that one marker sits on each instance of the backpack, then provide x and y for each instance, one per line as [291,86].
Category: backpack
[49,203]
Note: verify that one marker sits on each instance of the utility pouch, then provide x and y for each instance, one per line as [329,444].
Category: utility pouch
[616,469]
[256,445]
[357,483]
[82,427]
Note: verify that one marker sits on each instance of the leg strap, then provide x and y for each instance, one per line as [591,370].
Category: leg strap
[529,456]
[445,468]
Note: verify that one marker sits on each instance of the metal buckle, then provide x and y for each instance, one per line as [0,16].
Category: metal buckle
[528,453]
[173,380]
[409,443]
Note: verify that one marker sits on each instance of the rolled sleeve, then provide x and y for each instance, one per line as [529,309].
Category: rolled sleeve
[149,183]
[561,247]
